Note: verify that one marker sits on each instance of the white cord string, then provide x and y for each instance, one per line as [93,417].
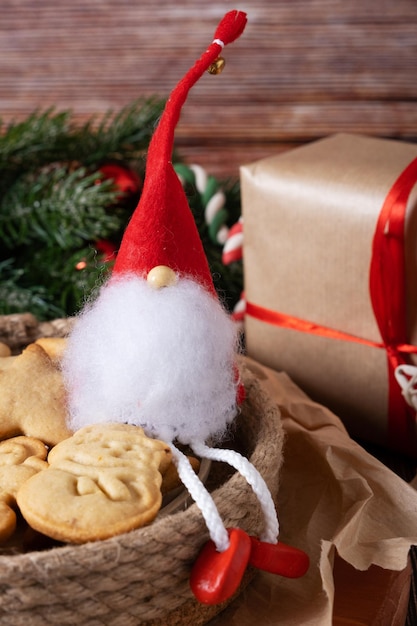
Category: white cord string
[219,42]
[203,500]
[255,480]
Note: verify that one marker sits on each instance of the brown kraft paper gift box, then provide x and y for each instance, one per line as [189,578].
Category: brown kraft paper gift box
[310,217]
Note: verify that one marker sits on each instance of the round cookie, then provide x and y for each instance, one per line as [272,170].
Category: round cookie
[102,481]
[171,479]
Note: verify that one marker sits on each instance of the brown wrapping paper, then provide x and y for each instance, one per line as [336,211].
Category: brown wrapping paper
[309,219]
[333,496]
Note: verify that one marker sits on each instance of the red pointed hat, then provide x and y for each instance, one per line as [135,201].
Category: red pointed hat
[162,230]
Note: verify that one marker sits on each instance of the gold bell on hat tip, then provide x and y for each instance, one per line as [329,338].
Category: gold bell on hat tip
[217,66]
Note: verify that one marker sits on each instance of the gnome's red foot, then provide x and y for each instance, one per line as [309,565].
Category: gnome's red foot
[216,576]
[278,558]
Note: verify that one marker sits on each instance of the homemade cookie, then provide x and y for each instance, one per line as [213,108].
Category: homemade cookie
[53,346]
[4,350]
[33,398]
[102,481]
[6,358]
[171,479]
[6,362]
[20,458]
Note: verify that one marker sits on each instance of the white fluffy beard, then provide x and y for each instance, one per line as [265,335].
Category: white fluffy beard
[162,359]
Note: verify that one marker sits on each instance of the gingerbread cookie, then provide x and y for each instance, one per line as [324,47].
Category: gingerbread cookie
[33,397]
[102,481]
[20,458]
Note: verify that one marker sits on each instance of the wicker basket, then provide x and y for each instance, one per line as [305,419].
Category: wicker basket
[141,577]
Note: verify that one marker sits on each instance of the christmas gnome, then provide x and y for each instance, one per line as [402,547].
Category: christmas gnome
[157,349]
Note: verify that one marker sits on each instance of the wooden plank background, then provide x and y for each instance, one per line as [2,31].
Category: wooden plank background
[303,68]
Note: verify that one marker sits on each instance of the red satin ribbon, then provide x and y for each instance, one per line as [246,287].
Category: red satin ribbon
[295,323]
[388,296]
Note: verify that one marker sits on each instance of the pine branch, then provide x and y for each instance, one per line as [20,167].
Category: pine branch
[58,207]
[55,204]
[35,140]
[72,278]
[50,285]
[17,298]
[123,136]
[47,137]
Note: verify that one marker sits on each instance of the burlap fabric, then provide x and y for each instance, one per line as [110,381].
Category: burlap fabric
[142,577]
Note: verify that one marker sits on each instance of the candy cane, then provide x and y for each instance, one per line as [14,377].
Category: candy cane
[233,247]
[239,311]
[215,213]
[212,198]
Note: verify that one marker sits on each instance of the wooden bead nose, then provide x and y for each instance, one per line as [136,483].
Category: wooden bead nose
[161,276]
